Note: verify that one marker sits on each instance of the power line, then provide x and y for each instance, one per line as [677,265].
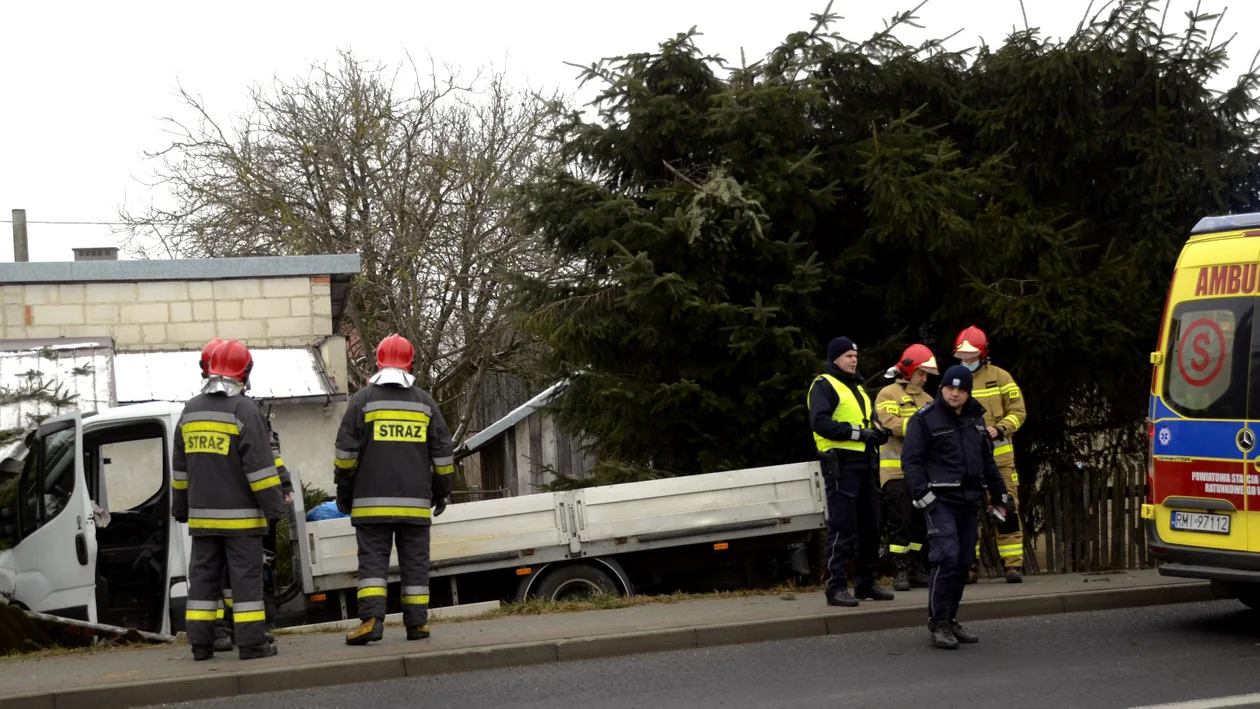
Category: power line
[30,221]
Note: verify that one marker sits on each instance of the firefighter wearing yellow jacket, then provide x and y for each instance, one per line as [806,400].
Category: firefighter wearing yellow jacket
[1005,412]
[894,405]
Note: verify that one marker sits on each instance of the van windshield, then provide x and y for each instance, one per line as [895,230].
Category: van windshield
[1209,353]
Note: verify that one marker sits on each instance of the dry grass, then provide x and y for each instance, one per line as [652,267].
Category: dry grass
[63,651]
[597,603]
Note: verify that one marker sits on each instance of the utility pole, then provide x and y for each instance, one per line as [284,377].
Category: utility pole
[19,236]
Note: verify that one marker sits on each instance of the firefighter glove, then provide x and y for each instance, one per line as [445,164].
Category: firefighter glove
[439,506]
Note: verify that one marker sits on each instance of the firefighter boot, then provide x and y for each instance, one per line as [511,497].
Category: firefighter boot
[943,636]
[202,652]
[901,581]
[420,633]
[255,652]
[1014,576]
[369,630]
[961,634]
[974,574]
[222,641]
[918,576]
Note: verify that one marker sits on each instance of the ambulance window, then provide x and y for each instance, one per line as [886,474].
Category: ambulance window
[1209,347]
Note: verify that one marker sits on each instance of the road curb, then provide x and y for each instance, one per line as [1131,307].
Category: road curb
[123,696]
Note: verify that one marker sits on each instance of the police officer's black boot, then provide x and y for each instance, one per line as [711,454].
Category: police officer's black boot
[842,598]
[943,636]
[874,592]
[961,634]
[901,581]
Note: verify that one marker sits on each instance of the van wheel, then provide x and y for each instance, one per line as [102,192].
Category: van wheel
[575,582]
[1249,595]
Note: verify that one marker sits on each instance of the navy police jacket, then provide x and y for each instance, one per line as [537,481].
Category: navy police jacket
[948,456]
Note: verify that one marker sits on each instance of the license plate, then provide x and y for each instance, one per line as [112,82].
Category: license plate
[1200,522]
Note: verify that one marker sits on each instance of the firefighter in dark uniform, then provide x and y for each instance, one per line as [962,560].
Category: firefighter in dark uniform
[948,463]
[393,473]
[223,640]
[847,435]
[226,488]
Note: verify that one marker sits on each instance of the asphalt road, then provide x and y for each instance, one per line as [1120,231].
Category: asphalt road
[1124,658]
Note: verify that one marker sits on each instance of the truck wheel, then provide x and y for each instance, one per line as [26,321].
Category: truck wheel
[1249,595]
[575,582]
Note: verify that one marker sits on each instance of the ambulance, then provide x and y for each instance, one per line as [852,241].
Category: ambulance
[1202,510]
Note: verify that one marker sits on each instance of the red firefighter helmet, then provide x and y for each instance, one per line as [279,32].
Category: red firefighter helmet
[205,355]
[916,357]
[395,352]
[972,342]
[232,360]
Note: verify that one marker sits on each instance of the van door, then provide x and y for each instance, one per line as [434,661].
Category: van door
[55,557]
[1205,443]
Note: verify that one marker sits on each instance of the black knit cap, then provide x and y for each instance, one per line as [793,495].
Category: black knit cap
[839,346]
[957,376]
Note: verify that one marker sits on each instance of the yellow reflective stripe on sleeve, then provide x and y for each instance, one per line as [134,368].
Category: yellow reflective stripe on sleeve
[227,602]
[390,512]
[396,415]
[909,411]
[258,523]
[415,600]
[894,463]
[445,469]
[1009,388]
[897,549]
[211,427]
[1001,450]
[915,546]
[373,591]
[905,424]
[889,406]
[345,464]
[279,462]
[265,483]
[250,617]
[179,484]
[982,393]
[218,615]
[201,615]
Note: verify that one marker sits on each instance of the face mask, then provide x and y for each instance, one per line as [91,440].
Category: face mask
[972,366]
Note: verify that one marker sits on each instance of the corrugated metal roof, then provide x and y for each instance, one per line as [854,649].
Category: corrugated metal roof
[78,370]
[279,373]
[515,416]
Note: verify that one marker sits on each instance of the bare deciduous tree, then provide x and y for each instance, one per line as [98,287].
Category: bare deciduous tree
[417,182]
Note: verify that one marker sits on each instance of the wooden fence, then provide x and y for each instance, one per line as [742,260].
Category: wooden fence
[1086,518]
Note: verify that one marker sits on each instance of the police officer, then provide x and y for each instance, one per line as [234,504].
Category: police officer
[226,488]
[393,472]
[894,405]
[847,437]
[948,463]
[223,640]
[1005,412]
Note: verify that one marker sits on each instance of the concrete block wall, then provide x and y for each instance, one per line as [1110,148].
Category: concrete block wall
[151,315]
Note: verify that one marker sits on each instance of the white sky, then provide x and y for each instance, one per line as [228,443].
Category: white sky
[83,84]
